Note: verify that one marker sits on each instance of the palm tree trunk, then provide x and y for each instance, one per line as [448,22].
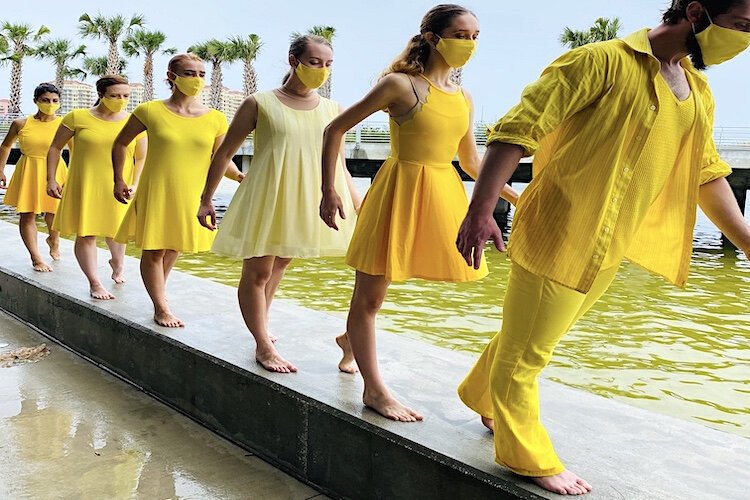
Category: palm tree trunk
[148,78]
[216,86]
[457,75]
[60,76]
[250,81]
[325,89]
[15,87]
[113,59]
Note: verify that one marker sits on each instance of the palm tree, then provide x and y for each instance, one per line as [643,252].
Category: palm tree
[146,43]
[62,52]
[602,30]
[246,50]
[457,75]
[327,32]
[217,53]
[16,38]
[110,29]
[99,66]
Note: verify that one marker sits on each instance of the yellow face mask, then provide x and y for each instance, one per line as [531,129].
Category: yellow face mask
[456,51]
[312,78]
[115,105]
[719,44]
[189,85]
[48,108]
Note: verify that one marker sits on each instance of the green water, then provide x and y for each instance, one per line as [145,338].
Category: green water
[683,352]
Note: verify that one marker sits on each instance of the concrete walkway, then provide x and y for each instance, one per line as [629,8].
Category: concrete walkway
[71,430]
[312,423]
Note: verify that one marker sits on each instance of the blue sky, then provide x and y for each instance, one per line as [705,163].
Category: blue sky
[517,41]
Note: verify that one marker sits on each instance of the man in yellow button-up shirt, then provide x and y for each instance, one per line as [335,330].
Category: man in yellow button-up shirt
[622,137]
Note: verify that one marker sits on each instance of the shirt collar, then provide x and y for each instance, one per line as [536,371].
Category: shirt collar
[639,42]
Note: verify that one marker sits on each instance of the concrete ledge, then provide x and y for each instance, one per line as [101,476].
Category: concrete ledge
[312,425]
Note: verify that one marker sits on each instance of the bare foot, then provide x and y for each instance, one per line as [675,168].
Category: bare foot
[489,423]
[565,483]
[270,359]
[272,337]
[167,319]
[54,247]
[101,293]
[347,363]
[41,266]
[117,271]
[389,407]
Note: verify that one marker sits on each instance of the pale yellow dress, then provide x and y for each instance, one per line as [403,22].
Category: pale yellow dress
[27,189]
[275,211]
[162,215]
[409,220]
[88,206]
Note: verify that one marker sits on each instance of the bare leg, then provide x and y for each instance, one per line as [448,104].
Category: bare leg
[86,254]
[170,259]
[347,364]
[29,234]
[256,273]
[117,262]
[369,293]
[53,240]
[154,273]
[279,267]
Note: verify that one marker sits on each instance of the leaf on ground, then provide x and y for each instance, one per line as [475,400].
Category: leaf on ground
[23,355]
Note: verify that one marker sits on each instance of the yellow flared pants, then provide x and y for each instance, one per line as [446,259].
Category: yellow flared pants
[503,384]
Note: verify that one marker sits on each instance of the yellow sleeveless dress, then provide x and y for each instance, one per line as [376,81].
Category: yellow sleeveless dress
[27,189]
[409,219]
[275,211]
[88,206]
[162,215]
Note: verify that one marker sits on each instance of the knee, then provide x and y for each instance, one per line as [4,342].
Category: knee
[367,304]
[255,278]
[152,257]
[281,263]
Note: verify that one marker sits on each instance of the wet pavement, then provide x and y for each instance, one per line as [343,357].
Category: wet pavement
[72,431]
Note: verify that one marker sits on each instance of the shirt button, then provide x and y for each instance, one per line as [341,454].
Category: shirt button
[638,138]
[596,256]
[652,107]
[614,199]
[606,229]
[626,169]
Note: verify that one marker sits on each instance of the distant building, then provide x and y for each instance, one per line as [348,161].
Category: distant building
[230,100]
[137,91]
[76,95]
[4,106]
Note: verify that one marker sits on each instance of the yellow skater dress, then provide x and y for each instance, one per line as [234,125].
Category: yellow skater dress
[27,190]
[88,206]
[162,215]
[275,211]
[409,219]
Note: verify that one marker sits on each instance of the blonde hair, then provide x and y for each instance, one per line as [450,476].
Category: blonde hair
[414,57]
[176,62]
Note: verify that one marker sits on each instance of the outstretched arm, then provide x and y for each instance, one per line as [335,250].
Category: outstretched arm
[717,201]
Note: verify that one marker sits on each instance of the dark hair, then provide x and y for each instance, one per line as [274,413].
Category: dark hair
[105,82]
[299,46]
[678,11]
[414,57]
[44,88]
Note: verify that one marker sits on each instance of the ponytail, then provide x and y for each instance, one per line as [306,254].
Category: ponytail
[413,59]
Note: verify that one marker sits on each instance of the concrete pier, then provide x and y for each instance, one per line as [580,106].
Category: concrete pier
[312,424]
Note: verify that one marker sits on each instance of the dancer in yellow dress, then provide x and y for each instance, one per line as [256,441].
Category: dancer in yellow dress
[182,136]
[410,217]
[88,209]
[273,217]
[27,188]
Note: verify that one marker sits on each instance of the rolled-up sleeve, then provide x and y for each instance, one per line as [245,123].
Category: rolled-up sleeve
[712,167]
[572,82]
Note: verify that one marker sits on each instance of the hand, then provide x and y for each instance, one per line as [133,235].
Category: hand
[240,177]
[3,181]
[475,230]
[122,192]
[205,211]
[330,204]
[54,189]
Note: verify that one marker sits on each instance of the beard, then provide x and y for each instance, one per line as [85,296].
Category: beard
[695,52]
